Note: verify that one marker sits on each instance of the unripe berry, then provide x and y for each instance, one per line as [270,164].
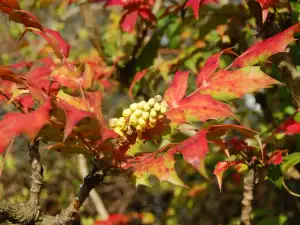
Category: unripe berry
[121,123]
[133,107]
[147,107]
[141,105]
[142,122]
[119,131]
[126,113]
[153,113]
[113,122]
[164,103]
[163,109]
[133,120]
[151,102]
[158,98]
[138,113]
[157,106]
[145,115]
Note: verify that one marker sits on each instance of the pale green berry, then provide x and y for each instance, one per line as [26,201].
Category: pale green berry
[145,115]
[119,131]
[113,122]
[121,123]
[138,113]
[164,103]
[163,109]
[147,107]
[151,102]
[142,122]
[133,107]
[126,113]
[157,106]
[153,113]
[141,105]
[158,98]
[133,120]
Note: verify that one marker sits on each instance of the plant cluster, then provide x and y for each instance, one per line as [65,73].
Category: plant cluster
[65,95]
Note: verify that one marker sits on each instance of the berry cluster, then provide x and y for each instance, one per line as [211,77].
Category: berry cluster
[140,116]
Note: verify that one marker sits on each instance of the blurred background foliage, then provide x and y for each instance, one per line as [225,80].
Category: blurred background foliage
[178,42]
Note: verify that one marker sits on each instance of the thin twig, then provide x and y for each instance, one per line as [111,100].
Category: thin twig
[95,197]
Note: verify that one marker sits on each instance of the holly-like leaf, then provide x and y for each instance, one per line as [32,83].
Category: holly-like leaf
[266,48]
[14,124]
[226,85]
[8,75]
[265,5]
[220,168]
[77,108]
[289,127]
[177,89]
[73,116]
[276,157]
[210,66]
[194,151]
[217,131]
[198,107]
[161,166]
[134,8]
[7,6]
[26,18]
[60,47]
[195,4]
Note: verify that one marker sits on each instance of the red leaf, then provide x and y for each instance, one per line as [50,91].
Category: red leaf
[276,157]
[128,21]
[216,131]
[177,89]
[198,107]
[290,127]
[194,151]
[138,76]
[195,4]
[14,124]
[114,219]
[211,64]
[220,168]
[61,45]
[7,6]
[77,108]
[26,18]
[134,8]
[265,5]
[73,116]
[264,49]
[54,39]
[225,85]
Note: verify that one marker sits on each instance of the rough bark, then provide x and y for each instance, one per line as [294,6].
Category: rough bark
[249,182]
[30,211]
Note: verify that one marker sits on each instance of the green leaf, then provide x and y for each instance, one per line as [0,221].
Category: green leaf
[290,161]
[275,175]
